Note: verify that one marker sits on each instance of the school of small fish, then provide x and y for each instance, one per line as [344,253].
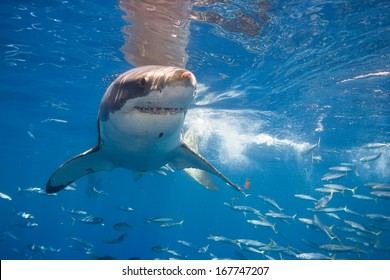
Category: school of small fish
[329,227]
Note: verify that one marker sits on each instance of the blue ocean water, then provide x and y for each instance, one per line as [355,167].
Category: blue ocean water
[274,79]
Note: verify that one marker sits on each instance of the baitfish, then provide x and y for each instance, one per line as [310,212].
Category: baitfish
[89,220]
[122,227]
[312,256]
[305,197]
[370,158]
[271,202]
[323,201]
[262,223]
[73,211]
[5,196]
[381,194]
[117,240]
[333,176]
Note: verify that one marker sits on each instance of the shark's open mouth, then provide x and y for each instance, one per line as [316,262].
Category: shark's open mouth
[159,110]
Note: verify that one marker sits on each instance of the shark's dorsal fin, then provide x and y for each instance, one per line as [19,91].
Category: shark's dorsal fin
[83,164]
[186,157]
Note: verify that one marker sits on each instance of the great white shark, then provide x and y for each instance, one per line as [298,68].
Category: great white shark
[140,125]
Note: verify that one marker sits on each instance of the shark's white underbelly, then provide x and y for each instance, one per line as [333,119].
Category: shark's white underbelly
[141,141]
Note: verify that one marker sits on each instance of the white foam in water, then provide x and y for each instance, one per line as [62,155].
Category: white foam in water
[383,165]
[236,131]
[205,98]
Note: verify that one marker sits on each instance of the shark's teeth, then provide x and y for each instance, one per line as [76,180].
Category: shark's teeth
[159,110]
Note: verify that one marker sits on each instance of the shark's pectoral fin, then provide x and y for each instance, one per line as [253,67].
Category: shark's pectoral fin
[81,165]
[137,175]
[202,177]
[186,157]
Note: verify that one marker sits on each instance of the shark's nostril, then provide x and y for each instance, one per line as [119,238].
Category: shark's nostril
[185,75]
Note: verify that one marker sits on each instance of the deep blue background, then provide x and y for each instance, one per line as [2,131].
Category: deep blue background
[261,100]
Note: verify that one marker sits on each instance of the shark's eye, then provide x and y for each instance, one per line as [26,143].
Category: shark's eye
[143,81]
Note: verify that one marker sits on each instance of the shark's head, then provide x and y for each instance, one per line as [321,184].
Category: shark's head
[144,108]
[154,90]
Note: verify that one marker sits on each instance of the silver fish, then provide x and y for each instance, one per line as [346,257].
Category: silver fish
[312,256]
[159,249]
[42,192]
[117,240]
[323,201]
[347,164]
[73,211]
[323,228]
[89,220]
[249,242]
[125,208]
[203,250]
[346,229]
[340,169]
[187,244]
[244,209]
[25,215]
[371,184]
[333,215]
[10,235]
[22,253]
[270,201]
[306,221]
[41,248]
[171,224]
[83,243]
[381,194]
[382,187]
[332,176]
[328,210]
[279,215]
[370,158]
[263,223]
[69,188]
[30,134]
[31,189]
[326,190]
[158,220]
[254,250]
[375,145]
[363,197]
[349,211]
[360,227]
[5,196]
[218,238]
[100,192]
[379,217]
[175,254]
[316,157]
[337,248]
[28,225]
[358,241]
[340,188]
[305,197]
[54,120]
